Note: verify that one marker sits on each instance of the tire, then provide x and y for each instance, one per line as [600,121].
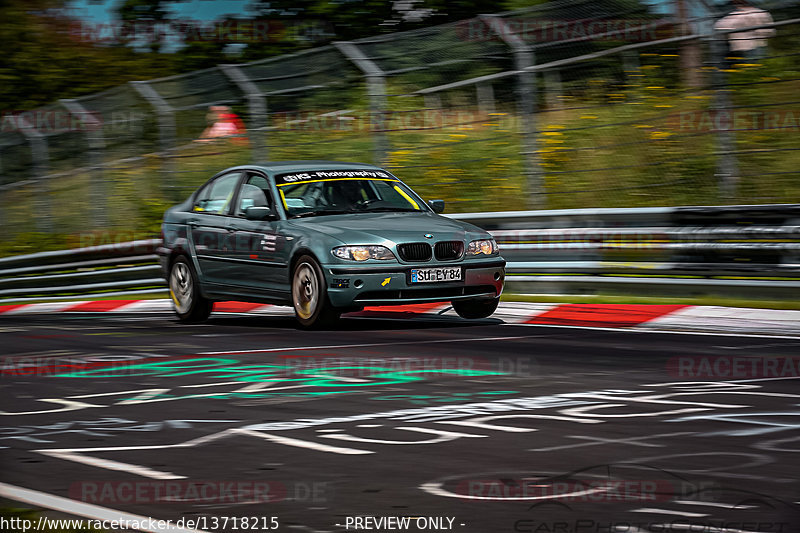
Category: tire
[476,308]
[189,304]
[312,308]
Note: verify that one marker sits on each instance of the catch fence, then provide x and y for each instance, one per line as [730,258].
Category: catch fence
[569,104]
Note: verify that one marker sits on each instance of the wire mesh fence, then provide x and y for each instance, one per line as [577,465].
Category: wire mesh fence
[569,104]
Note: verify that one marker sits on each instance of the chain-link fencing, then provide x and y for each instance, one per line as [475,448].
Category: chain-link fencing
[569,104]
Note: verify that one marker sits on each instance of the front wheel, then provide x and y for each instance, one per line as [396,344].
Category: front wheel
[310,296]
[189,304]
[476,308]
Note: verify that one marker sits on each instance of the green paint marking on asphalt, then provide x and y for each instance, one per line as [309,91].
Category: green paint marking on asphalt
[330,379]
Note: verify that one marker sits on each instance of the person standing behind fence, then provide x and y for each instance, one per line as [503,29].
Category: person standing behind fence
[746,44]
[223,124]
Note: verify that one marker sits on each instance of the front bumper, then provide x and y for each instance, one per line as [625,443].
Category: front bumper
[361,285]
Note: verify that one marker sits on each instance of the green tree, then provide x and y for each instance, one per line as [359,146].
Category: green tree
[47,56]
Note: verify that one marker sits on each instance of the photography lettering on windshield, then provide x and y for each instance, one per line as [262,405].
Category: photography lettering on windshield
[294,177]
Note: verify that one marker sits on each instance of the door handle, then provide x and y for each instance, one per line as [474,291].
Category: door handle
[232,229]
[193,223]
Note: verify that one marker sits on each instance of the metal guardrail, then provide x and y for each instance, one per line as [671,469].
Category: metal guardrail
[746,251]
[126,268]
[741,251]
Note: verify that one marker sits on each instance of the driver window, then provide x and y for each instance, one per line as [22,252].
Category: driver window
[216,197]
[255,193]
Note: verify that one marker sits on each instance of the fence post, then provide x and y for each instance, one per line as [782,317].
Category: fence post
[485,95]
[553,88]
[433,101]
[376,90]
[690,54]
[727,172]
[257,105]
[631,65]
[526,106]
[167,134]
[41,157]
[98,192]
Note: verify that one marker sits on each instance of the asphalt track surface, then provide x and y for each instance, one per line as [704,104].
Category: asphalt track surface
[497,427]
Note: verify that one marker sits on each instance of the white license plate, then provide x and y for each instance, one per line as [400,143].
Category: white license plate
[431,275]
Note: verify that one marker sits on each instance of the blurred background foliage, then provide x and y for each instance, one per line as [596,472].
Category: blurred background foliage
[45,59]
[608,131]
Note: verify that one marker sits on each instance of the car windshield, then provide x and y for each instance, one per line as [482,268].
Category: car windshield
[335,192]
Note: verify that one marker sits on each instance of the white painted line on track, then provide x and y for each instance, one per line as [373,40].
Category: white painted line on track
[756,346]
[288,441]
[86,510]
[152,392]
[437,489]
[75,454]
[713,504]
[111,465]
[761,379]
[653,510]
[677,526]
[366,345]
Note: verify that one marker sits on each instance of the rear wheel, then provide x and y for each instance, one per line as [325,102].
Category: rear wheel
[310,296]
[189,304]
[475,308]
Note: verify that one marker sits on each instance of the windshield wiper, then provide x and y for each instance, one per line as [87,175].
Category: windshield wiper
[322,212]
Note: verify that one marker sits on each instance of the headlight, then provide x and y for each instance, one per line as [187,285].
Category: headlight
[362,253]
[483,246]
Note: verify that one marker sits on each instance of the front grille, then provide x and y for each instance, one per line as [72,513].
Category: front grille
[415,251]
[449,250]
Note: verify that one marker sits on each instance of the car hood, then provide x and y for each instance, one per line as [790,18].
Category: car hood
[377,228]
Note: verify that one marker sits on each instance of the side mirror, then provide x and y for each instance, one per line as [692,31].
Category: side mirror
[259,213]
[437,205]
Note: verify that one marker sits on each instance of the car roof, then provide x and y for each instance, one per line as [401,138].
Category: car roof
[316,164]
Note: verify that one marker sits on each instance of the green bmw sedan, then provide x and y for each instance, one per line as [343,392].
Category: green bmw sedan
[326,238]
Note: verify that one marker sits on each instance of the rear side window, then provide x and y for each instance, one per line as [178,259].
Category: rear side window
[216,197]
